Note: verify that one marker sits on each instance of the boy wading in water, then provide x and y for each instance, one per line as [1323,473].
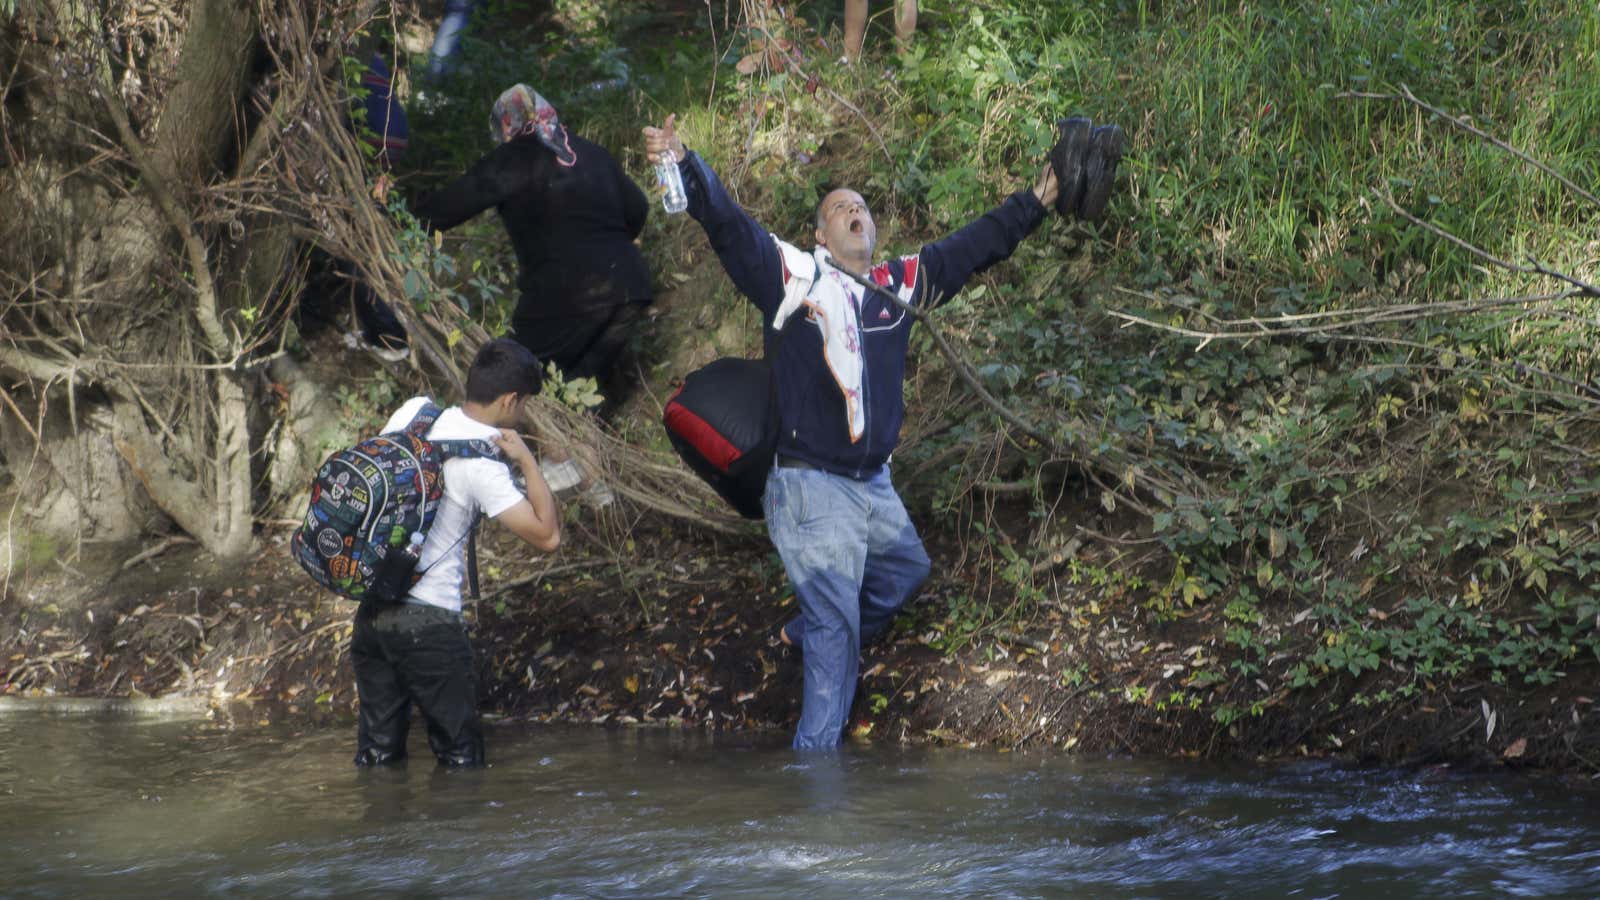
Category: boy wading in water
[417,651]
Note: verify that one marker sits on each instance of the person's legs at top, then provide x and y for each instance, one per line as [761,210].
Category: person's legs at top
[437,667]
[818,521]
[855,28]
[457,15]
[897,564]
[855,25]
[383,701]
[905,21]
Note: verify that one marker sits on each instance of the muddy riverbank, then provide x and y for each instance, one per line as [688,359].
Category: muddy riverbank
[675,628]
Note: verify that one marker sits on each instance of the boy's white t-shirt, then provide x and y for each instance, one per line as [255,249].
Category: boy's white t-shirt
[470,485]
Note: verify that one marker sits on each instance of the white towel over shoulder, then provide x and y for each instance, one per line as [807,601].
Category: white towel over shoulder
[833,303]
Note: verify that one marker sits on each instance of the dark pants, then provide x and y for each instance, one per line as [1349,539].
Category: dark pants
[409,653]
[380,327]
[581,347]
[334,285]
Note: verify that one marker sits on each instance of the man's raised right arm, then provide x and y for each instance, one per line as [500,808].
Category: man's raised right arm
[746,250]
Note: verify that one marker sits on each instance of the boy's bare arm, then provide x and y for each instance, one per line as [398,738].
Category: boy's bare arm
[536,520]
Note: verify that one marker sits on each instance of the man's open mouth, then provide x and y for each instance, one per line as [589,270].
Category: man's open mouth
[856,227]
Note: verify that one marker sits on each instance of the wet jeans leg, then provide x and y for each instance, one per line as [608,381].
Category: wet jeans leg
[409,653]
[897,564]
[383,701]
[817,522]
[438,668]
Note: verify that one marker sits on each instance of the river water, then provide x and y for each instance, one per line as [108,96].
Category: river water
[129,806]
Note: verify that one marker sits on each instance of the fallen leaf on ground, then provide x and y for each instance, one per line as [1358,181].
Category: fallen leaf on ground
[999,677]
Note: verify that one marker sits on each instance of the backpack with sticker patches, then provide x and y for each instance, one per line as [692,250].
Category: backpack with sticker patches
[366,503]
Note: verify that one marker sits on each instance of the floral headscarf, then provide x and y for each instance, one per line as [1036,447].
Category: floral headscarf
[520,110]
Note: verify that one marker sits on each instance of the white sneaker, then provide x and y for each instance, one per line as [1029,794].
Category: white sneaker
[354,341]
[389,354]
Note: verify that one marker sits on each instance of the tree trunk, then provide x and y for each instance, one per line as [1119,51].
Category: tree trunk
[113,309]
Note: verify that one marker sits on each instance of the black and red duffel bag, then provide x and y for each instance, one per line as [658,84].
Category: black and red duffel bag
[724,424]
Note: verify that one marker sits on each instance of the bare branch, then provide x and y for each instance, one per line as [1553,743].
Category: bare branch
[12,405]
[1582,286]
[1282,326]
[1406,95]
[1440,232]
[160,187]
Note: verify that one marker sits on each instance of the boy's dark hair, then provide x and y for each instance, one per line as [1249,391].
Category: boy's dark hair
[503,366]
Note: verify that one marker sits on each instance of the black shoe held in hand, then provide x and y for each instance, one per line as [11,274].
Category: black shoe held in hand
[1067,158]
[1100,171]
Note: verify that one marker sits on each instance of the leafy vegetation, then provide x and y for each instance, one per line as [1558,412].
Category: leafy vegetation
[1322,421]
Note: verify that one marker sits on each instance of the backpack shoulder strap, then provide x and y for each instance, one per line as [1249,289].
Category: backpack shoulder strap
[468,449]
[472,558]
[422,422]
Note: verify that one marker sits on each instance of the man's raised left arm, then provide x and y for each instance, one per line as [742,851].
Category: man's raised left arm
[947,264]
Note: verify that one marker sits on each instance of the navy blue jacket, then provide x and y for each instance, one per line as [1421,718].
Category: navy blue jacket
[811,409]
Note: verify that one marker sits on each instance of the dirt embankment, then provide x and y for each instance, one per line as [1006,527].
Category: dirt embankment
[677,629]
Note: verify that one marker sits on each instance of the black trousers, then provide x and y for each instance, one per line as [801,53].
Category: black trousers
[379,325]
[581,346]
[406,654]
[334,285]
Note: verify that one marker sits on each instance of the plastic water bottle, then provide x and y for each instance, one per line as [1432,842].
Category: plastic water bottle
[413,549]
[673,198]
[394,581]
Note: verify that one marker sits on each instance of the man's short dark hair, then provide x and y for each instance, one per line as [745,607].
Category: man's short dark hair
[826,188]
[503,366]
[829,188]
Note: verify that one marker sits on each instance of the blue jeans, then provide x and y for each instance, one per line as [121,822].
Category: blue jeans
[457,13]
[854,558]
